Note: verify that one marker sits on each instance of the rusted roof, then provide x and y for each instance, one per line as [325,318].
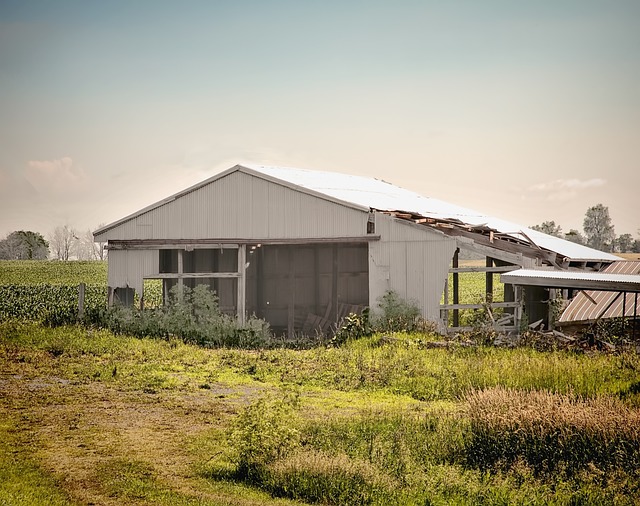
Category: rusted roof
[594,304]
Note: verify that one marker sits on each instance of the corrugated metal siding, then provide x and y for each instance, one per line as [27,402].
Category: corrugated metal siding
[130,267]
[244,206]
[411,260]
[581,308]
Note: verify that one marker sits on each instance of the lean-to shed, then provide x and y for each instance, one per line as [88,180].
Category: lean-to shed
[589,306]
[301,248]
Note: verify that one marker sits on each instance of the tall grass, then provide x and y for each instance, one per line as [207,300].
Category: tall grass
[552,433]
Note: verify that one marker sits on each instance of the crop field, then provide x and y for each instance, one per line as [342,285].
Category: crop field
[34,272]
[90,417]
[47,291]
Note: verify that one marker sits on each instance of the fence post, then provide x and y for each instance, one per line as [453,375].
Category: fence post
[81,288]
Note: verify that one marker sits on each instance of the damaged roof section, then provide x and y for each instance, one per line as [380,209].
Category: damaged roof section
[591,305]
[451,219]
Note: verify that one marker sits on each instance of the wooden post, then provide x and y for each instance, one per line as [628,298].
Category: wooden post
[291,304]
[517,314]
[81,289]
[334,286]
[445,313]
[456,313]
[180,273]
[242,283]
[488,278]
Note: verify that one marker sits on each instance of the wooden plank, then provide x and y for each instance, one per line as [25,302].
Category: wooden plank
[479,306]
[499,328]
[507,268]
[194,275]
[117,244]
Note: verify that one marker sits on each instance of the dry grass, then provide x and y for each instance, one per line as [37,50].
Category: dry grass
[551,431]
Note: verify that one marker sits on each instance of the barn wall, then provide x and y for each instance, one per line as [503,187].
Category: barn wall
[411,260]
[129,267]
[242,206]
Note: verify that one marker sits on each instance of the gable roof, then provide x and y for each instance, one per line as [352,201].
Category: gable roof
[367,193]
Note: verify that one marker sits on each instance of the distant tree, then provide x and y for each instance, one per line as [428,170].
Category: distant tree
[624,243]
[63,242]
[598,228]
[549,227]
[574,236]
[86,248]
[100,251]
[636,246]
[24,245]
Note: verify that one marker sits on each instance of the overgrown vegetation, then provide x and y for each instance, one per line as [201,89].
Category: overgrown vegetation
[95,417]
[375,416]
[192,315]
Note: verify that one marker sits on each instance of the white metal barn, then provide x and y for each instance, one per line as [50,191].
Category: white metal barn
[302,248]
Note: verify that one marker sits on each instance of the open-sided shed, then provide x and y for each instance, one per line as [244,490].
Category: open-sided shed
[302,248]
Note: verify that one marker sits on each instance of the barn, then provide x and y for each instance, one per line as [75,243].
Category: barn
[303,248]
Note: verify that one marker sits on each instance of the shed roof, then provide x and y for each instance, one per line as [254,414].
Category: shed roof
[369,193]
[582,280]
[594,304]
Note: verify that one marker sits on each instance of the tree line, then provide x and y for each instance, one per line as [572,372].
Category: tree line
[598,232]
[64,243]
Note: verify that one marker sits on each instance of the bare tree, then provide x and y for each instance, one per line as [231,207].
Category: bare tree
[100,250]
[87,249]
[63,242]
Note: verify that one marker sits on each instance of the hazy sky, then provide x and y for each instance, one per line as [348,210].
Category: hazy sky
[528,111]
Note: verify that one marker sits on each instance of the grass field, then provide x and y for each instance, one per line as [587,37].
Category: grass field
[91,418]
[88,417]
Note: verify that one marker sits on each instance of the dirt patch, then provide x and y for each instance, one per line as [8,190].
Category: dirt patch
[74,429]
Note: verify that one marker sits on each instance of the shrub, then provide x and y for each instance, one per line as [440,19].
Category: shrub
[194,316]
[399,315]
[354,326]
[263,432]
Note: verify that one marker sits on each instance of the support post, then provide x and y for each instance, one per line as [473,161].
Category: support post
[180,272]
[456,312]
[242,283]
[488,281]
[517,314]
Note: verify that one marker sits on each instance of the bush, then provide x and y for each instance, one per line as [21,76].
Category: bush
[194,316]
[264,432]
[399,315]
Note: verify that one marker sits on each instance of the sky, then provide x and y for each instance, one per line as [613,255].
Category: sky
[527,111]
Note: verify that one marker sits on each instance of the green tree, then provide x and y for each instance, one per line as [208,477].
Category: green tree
[598,228]
[574,235]
[624,243]
[24,245]
[548,227]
